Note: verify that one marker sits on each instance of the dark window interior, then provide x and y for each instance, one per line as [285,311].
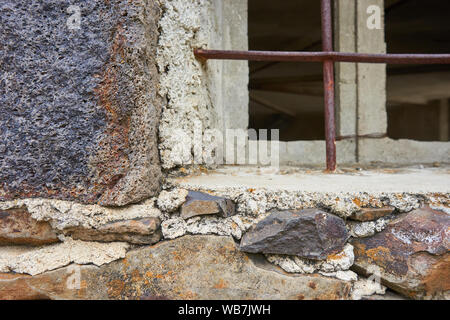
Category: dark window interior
[418,96]
[286,96]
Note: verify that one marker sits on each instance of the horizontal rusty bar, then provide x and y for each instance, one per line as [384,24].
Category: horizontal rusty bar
[288,56]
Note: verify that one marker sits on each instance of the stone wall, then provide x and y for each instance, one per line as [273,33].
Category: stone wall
[86,212]
[195,245]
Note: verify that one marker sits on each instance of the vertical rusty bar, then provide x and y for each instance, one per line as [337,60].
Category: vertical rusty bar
[328,83]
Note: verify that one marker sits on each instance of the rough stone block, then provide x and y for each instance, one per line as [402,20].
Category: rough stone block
[411,255]
[80,108]
[309,233]
[199,203]
[18,227]
[136,231]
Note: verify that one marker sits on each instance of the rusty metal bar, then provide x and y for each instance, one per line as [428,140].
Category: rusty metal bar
[288,56]
[327,57]
[328,85]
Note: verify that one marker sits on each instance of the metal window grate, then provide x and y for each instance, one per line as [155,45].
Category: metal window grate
[327,57]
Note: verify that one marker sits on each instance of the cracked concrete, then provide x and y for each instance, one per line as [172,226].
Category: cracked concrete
[34,261]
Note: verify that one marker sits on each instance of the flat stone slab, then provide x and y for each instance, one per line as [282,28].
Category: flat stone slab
[18,227]
[310,233]
[411,255]
[369,214]
[191,267]
[136,231]
[199,203]
[80,108]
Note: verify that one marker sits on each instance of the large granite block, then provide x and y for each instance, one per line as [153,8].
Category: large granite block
[79,107]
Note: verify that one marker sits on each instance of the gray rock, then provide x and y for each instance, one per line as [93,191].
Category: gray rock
[80,108]
[310,233]
[199,203]
[191,267]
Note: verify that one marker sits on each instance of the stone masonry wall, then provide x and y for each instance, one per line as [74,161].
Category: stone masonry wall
[196,245]
[86,212]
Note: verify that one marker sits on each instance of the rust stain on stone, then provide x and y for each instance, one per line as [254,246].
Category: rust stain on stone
[221,284]
[412,253]
[438,277]
[116,288]
[111,162]
[357,202]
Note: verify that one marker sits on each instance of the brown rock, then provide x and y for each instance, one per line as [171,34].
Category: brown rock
[191,267]
[412,254]
[18,227]
[369,214]
[198,203]
[137,231]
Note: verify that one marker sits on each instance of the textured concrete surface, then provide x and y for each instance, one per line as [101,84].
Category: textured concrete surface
[200,95]
[259,190]
[371,94]
[412,180]
[341,261]
[403,151]
[79,106]
[33,261]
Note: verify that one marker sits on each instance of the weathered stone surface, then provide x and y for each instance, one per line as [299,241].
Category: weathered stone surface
[389,295]
[37,260]
[64,214]
[18,227]
[80,108]
[192,267]
[136,231]
[199,203]
[411,254]
[309,233]
[369,214]
[364,288]
[170,201]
